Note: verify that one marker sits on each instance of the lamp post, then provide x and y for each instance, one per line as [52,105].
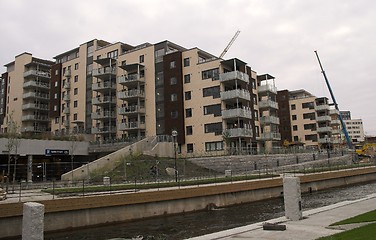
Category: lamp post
[327,146]
[174,135]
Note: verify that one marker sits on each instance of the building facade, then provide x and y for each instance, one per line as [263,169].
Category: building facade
[111,91]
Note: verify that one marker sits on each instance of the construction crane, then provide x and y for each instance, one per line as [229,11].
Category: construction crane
[229,44]
[348,140]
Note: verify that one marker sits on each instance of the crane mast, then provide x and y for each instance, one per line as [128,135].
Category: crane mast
[348,140]
[229,44]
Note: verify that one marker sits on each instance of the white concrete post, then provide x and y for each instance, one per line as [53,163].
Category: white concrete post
[292,197]
[33,221]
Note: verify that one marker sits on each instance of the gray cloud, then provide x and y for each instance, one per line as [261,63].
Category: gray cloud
[278,37]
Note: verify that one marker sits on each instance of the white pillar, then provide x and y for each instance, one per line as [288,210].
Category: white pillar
[33,221]
[292,197]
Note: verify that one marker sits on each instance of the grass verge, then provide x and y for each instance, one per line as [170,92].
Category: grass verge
[367,232]
[366,217]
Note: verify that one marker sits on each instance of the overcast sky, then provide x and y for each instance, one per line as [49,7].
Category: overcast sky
[277,37]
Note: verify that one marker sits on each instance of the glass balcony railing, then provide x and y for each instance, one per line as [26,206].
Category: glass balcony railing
[234,75]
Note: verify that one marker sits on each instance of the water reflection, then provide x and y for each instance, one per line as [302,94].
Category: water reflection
[195,224]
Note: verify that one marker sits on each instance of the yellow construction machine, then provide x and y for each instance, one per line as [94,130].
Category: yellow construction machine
[366,150]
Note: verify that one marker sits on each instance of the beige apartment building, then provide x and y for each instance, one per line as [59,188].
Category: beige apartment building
[25,93]
[114,92]
[313,122]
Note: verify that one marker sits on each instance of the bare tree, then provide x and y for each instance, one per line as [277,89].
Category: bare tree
[13,137]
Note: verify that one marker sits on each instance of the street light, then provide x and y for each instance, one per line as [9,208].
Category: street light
[174,135]
[327,139]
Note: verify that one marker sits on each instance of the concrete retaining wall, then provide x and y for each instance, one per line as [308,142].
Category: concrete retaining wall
[78,212]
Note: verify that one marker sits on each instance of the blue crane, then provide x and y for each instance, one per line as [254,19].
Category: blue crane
[348,140]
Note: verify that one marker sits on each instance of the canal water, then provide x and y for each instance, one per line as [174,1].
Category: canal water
[187,225]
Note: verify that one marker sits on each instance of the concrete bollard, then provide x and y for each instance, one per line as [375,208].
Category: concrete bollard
[292,197]
[33,221]
[106,181]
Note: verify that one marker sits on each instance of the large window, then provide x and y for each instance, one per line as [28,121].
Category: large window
[113,54]
[309,105]
[212,73]
[213,128]
[211,91]
[311,116]
[213,146]
[213,109]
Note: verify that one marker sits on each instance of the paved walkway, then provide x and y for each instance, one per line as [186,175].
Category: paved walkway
[315,223]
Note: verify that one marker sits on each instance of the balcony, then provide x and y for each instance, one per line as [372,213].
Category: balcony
[35,84]
[44,96]
[126,95]
[67,73]
[107,71]
[103,100]
[325,140]
[35,106]
[236,93]
[324,129]
[32,117]
[323,107]
[103,86]
[335,122]
[323,119]
[36,73]
[131,126]
[66,98]
[267,120]
[336,131]
[103,115]
[267,88]
[267,104]
[333,112]
[103,130]
[270,136]
[235,75]
[236,113]
[131,110]
[238,132]
[67,85]
[33,129]
[130,79]
[66,110]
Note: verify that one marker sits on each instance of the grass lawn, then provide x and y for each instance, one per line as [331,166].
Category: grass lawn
[367,232]
[361,233]
[365,217]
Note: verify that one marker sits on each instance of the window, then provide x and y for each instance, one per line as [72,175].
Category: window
[295,128]
[173,81]
[310,116]
[188,112]
[309,105]
[75,66]
[188,95]
[55,107]
[311,127]
[75,104]
[187,78]
[55,96]
[213,128]
[172,64]
[211,91]
[256,115]
[293,106]
[56,84]
[56,119]
[189,130]
[189,147]
[296,138]
[76,78]
[75,117]
[113,54]
[213,146]
[174,114]
[294,117]
[212,73]
[75,91]
[159,55]
[142,58]
[213,109]
[186,62]
[174,97]
[311,137]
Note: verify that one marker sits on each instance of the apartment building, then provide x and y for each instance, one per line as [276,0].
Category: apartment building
[355,130]
[25,91]
[117,91]
[308,120]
